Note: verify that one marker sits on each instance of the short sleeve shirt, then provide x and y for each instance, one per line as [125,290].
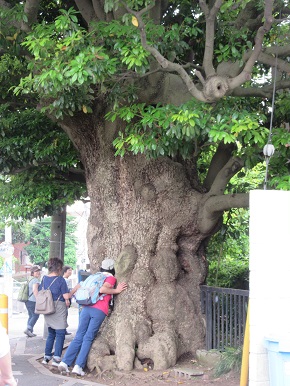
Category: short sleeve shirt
[103,304]
[32,281]
[57,288]
[68,282]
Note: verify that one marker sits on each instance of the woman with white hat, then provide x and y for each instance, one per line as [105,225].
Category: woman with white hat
[91,318]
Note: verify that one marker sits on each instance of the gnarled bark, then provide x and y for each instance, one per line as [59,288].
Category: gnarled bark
[146,215]
[152,208]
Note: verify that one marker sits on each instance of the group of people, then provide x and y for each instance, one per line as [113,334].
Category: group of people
[90,317]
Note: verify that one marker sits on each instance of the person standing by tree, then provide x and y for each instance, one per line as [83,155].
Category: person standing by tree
[57,322]
[91,318]
[66,273]
[30,304]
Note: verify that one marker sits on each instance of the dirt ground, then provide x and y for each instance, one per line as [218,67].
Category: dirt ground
[179,375]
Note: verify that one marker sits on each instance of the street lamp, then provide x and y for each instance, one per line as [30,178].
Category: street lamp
[268,151]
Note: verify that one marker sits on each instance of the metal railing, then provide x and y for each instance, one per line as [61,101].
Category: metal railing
[225,312]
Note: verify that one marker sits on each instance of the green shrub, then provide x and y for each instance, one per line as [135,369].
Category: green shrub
[231,359]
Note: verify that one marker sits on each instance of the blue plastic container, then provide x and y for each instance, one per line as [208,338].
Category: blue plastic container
[279,360]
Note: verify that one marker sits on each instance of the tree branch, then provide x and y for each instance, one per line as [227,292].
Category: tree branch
[215,86]
[164,63]
[86,9]
[215,202]
[265,91]
[247,71]
[282,65]
[72,175]
[31,8]
[99,10]
[219,160]
[280,51]
[231,168]
[214,207]
[210,17]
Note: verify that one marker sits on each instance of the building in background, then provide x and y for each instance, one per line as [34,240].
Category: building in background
[81,212]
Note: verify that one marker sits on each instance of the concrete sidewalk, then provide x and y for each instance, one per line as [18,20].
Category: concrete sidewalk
[26,353]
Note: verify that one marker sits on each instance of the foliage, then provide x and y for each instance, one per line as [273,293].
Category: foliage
[231,272]
[228,252]
[73,64]
[76,61]
[37,161]
[231,359]
[228,249]
[68,68]
[280,137]
[38,236]
[171,130]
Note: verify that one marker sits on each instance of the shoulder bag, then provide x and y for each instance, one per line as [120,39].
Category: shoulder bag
[44,301]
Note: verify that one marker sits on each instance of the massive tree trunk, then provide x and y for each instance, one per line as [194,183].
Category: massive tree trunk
[144,215]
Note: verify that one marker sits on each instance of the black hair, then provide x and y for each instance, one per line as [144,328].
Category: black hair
[111,271]
[66,268]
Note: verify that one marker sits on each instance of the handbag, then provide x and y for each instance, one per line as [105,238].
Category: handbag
[44,301]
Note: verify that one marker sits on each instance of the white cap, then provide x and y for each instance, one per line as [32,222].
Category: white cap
[108,264]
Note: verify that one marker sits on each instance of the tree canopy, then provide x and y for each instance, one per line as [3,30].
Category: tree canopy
[40,168]
[55,56]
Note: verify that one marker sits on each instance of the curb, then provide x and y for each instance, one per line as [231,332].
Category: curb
[69,381]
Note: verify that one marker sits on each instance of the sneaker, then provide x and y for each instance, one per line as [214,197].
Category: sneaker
[45,360]
[78,370]
[29,333]
[68,333]
[63,367]
[55,362]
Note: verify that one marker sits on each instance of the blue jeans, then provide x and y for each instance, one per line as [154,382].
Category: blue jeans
[32,317]
[79,348]
[54,335]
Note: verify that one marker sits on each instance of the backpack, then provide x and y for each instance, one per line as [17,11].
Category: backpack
[88,294]
[23,294]
[44,301]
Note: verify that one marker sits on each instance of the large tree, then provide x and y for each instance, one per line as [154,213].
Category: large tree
[179,91]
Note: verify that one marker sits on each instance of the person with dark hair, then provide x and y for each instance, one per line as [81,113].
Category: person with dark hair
[33,284]
[91,318]
[57,322]
[66,273]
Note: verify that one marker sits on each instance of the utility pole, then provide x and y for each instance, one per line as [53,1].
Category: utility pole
[57,234]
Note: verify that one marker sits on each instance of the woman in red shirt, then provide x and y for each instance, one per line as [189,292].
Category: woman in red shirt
[91,318]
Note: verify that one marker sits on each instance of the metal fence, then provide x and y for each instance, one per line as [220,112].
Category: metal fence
[225,312]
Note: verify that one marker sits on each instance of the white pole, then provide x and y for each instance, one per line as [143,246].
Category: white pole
[269,277]
[6,252]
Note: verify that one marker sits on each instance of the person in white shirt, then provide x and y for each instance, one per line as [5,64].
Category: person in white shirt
[66,273]
[34,282]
